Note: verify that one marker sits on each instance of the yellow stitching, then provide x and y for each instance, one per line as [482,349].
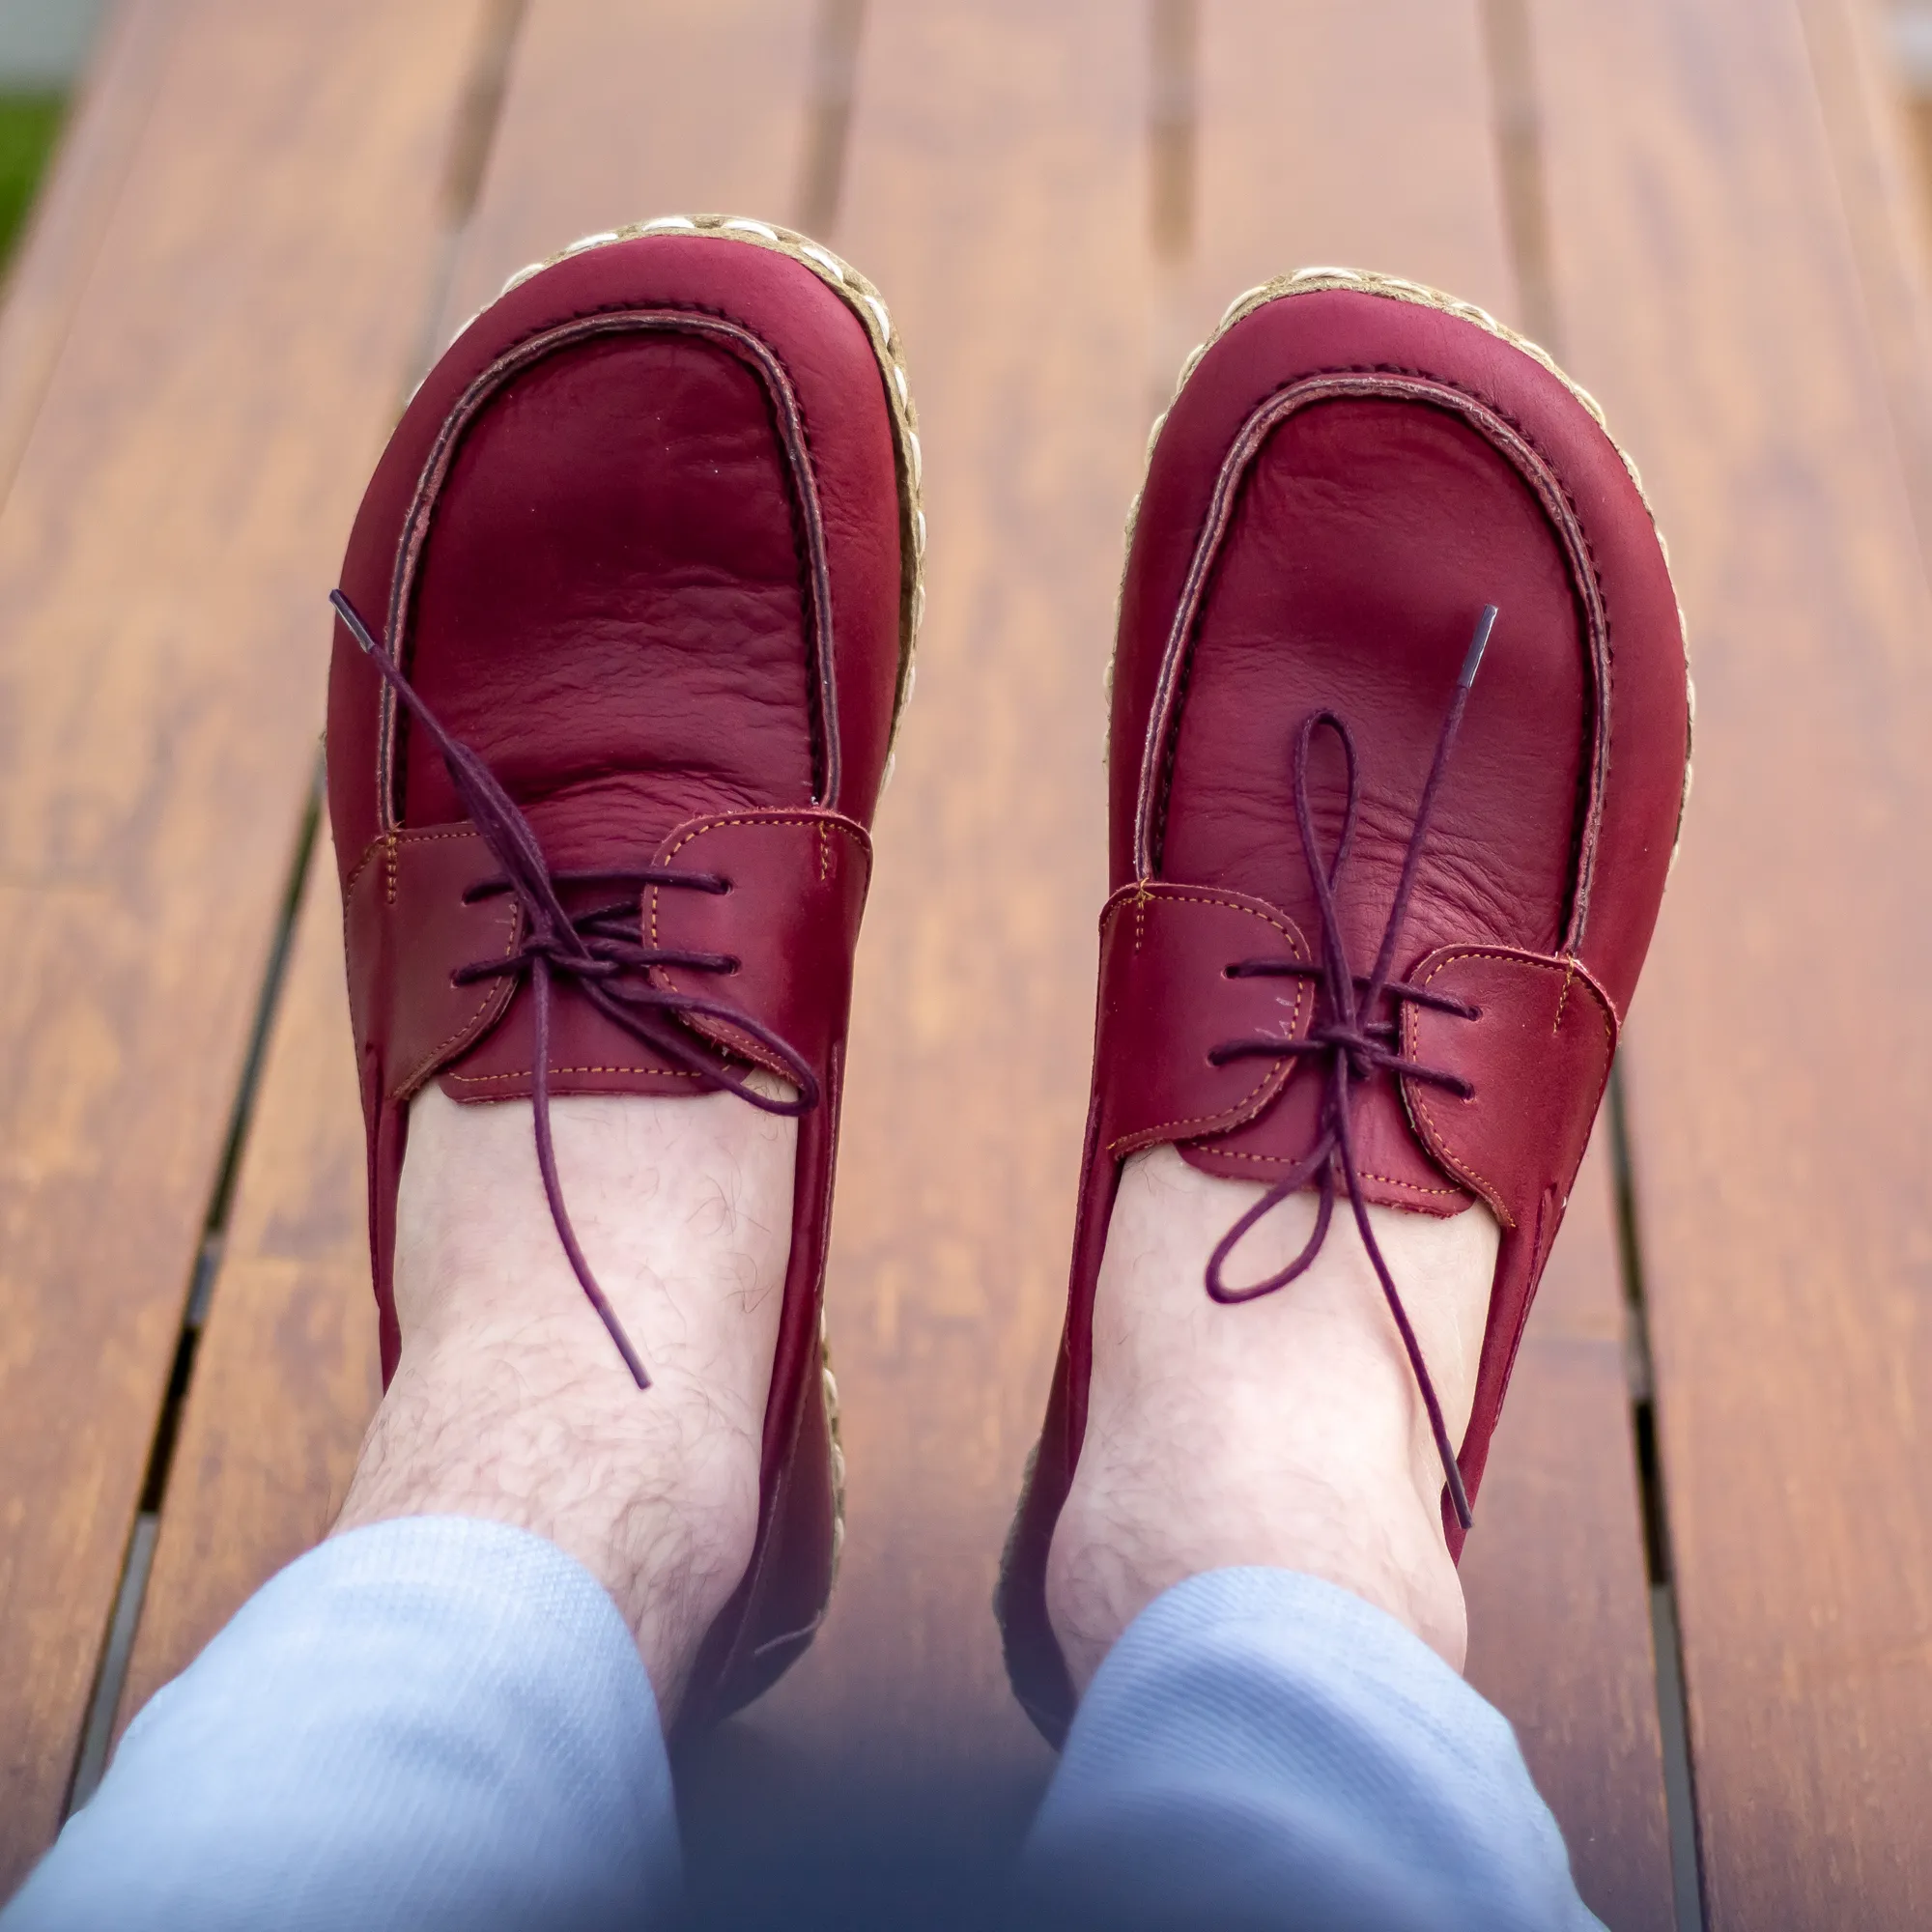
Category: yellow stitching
[427,1064]
[1152,1134]
[1571,967]
[832,819]
[860,842]
[1289,1160]
[1563,998]
[386,846]
[1281,923]
[558,1072]
[1487,1190]
[862,298]
[1313,280]
[1141,900]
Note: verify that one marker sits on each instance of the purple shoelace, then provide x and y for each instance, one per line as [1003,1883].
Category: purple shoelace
[1351,1046]
[598,950]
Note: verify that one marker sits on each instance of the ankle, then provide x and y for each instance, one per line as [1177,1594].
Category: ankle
[1286,1432]
[510,1402]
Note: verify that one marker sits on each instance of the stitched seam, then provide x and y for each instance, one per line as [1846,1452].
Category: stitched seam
[1584,858]
[1488,1189]
[1568,966]
[485,1079]
[428,1062]
[426,505]
[1304,993]
[1199,1120]
[823,822]
[820,819]
[385,847]
[1279,922]
[861,300]
[1289,1160]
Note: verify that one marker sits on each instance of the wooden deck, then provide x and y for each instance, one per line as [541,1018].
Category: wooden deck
[1702,1580]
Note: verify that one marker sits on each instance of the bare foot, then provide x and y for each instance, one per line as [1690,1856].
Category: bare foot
[510,1401]
[1287,1431]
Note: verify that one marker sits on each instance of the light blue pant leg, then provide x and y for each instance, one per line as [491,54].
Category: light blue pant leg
[428,1723]
[1263,1749]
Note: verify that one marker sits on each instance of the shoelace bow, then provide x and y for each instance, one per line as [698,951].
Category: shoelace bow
[600,950]
[1354,1045]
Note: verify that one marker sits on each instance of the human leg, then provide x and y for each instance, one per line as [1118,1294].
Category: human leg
[601,768]
[1252,1586]
[1389,840]
[449,1713]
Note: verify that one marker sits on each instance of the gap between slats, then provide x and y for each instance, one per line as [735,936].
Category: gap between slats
[1518,120]
[470,140]
[821,182]
[1171,152]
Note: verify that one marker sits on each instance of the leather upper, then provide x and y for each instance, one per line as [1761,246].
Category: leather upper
[637,543]
[1344,481]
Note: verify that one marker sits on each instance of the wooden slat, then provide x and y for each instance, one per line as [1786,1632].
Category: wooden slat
[998,200]
[175,515]
[76,201]
[286,1377]
[1360,135]
[1882,192]
[1560,1607]
[1364,135]
[964,1115]
[598,123]
[1712,299]
[620,112]
[996,191]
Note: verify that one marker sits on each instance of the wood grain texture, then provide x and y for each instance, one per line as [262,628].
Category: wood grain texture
[1883,195]
[286,1377]
[71,213]
[1712,299]
[1559,1607]
[1360,135]
[174,518]
[995,192]
[618,112]
[1365,136]
[287,1374]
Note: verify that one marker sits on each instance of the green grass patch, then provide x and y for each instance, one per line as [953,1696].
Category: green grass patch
[29,123]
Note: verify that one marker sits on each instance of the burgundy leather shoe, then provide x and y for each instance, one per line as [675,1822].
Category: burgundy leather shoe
[1398,749]
[625,625]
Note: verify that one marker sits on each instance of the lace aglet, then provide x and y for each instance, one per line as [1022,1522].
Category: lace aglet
[1478,644]
[357,629]
[632,1360]
[1459,1496]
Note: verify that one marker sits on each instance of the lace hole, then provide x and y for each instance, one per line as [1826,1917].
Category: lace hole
[1475,1013]
[731,965]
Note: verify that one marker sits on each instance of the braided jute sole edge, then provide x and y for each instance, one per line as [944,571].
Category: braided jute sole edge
[866,302]
[1397,287]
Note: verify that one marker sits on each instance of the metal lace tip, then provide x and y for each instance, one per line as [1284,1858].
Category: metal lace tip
[1459,1496]
[1478,644]
[357,629]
